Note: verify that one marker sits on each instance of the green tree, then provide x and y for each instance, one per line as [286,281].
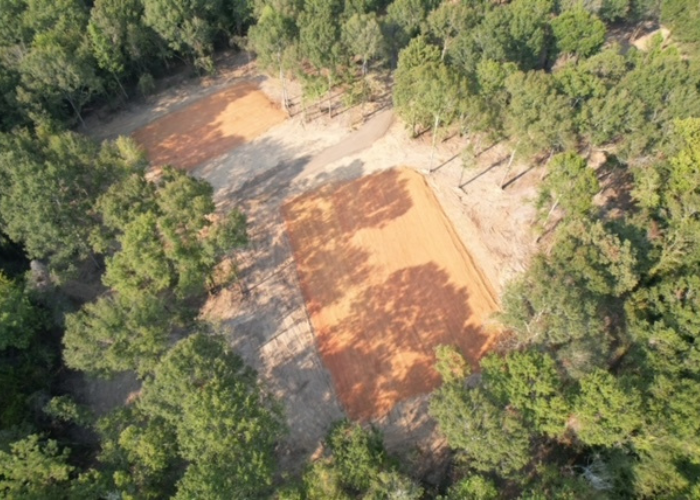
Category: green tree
[163,250]
[413,78]
[606,412]
[121,43]
[358,455]
[362,35]
[472,488]
[138,454]
[226,426]
[683,19]
[19,318]
[356,466]
[570,184]
[403,22]
[517,33]
[489,437]
[272,38]
[542,308]
[57,67]
[447,21]
[189,27]
[118,333]
[538,116]
[529,383]
[319,39]
[50,184]
[578,32]
[34,468]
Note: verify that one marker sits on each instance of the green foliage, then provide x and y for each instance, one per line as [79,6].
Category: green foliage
[34,469]
[357,454]
[683,18]
[542,308]
[139,454]
[614,10]
[161,260]
[472,488]
[226,426]
[187,27]
[416,62]
[120,42]
[538,115]
[658,88]
[450,364]
[229,233]
[65,409]
[570,184]
[19,319]
[272,37]
[362,36]
[161,248]
[607,413]
[319,34]
[596,258]
[516,33]
[50,187]
[46,47]
[447,21]
[578,32]
[357,466]
[427,91]
[668,191]
[665,318]
[529,383]
[478,425]
[118,333]
[403,22]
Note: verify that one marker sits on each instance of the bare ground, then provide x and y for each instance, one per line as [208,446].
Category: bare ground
[268,323]
[386,280]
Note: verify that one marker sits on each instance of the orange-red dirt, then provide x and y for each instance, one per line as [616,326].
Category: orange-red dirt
[209,127]
[386,280]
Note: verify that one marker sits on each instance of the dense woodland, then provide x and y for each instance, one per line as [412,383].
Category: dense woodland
[595,392]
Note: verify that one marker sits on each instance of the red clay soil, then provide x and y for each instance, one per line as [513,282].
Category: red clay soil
[209,127]
[386,280]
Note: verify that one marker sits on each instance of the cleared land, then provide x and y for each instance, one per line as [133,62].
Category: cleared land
[268,326]
[386,280]
[209,127]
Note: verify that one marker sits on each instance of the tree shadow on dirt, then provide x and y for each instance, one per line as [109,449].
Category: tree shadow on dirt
[321,226]
[385,352]
[276,339]
[188,137]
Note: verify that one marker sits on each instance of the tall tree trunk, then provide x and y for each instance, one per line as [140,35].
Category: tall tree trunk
[285,99]
[330,102]
[546,220]
[436,124]
[444,49]
[77,112]
[304,112]
[510,163]
[121,87]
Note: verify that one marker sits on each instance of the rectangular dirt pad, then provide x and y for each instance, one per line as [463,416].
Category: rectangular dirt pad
[386,280]
[209,127]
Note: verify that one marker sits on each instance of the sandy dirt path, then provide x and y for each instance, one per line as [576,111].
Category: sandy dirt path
[363,138]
